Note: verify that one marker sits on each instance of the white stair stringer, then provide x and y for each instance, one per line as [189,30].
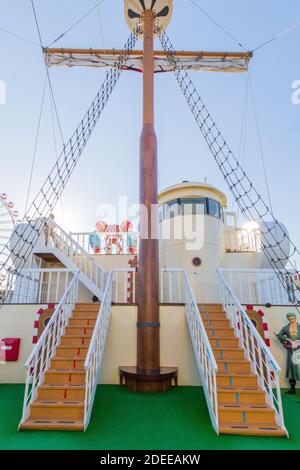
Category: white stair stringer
[73,256]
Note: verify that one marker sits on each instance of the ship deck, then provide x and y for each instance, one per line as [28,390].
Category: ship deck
[177,420]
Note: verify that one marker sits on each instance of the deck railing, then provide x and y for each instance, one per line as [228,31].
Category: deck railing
[94,356]
[263,364]
[41,355]
[107,243]
[40,286]
[262,286]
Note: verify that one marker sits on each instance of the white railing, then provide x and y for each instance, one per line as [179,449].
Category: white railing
[40,286]
[172,286]
[175,288]
[239,240]
[107,243]
[261,286]
[206,362]
[94,356]
[263,364]
[79,256]
[124,286]
[39,360]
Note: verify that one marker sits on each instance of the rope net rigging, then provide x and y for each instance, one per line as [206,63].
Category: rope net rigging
[273,238]
[17,250]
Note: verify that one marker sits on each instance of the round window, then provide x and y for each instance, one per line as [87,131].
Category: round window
[197,261]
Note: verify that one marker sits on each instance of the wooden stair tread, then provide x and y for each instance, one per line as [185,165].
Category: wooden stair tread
[66,335]
[53,424]
[71,371]
[62,386]
[226,348]
[233,361]
[242,406]
[236,374]
[257,429]
[245,407]
[67,358]
[240,390]
[58,403]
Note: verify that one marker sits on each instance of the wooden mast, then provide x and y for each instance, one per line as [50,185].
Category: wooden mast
[148,375]
[148,271]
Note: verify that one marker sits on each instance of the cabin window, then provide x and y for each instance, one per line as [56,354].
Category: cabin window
[191,206]
[213,208]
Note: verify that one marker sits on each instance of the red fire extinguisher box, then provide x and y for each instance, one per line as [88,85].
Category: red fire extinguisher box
[9,349]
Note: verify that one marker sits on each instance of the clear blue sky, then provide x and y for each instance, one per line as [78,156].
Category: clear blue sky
[109,166]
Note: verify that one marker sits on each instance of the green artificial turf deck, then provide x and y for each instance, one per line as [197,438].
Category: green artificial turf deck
[124,420]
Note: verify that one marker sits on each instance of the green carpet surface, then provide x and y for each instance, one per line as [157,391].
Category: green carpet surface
[177,420]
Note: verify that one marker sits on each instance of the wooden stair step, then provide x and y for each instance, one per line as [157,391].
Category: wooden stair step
[258,429]
[72,351]
[48,424]
[59,377]
[213,315]
[79,330]
[219,323]
[82,321]
[234,365]
[75,340]
[211,307]
[85,307]
[61,392]
[84,314]
[220,332]
[57,409]
[67,363]
[229,353]
[234,379]
[241,396]
[223,342]
[246,414]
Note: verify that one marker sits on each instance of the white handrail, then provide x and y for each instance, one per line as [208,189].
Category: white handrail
[263,363]
[83,260]
[40,286]
[95,352]
[175,288]
[41,355]
[206,362]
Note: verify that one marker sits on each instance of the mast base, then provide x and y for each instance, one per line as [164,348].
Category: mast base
[160,381]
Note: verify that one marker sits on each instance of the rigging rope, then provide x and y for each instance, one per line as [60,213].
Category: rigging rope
[17,251]
[35,144]
[55,145]
[76,23]
[47,71]
[100,26]
[246,195]
[19,37]
[262,155]
[278,36]
[218,25]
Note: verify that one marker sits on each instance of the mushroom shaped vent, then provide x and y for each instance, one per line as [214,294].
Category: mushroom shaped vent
[162,9]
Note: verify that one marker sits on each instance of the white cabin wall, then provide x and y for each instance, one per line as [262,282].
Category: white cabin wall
[16,321]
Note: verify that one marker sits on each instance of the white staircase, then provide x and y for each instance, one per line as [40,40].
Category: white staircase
[62,247]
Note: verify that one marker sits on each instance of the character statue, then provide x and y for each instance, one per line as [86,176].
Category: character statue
[289,336]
